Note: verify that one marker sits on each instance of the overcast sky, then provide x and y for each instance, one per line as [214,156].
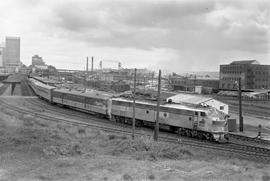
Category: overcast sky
[172,35]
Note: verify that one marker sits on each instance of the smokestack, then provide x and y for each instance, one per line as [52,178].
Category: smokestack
[86,65]
[92,64]
[119,65]
[100,65]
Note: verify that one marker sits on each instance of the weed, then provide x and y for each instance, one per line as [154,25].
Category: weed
[113,136]
[145,148]
[265,177]
[81,130]
[127,177]
[151,177]
[43,177]
[64,164]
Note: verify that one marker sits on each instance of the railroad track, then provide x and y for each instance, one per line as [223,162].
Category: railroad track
[249,140]
[244,139]
[244,151]
[25,89]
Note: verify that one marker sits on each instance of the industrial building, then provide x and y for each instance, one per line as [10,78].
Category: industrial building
[189,83]
[199,100]
[253,75]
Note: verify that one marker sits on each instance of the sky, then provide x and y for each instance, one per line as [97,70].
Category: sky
[174,36]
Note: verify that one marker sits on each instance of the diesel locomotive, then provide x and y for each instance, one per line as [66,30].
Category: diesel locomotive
[193,121]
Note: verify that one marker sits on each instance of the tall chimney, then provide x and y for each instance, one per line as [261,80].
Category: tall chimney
[86,65]
[100,65]
[119,65]
[92,64]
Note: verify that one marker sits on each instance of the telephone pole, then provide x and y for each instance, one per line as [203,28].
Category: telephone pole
[134,94]
[158,105]
[240,105]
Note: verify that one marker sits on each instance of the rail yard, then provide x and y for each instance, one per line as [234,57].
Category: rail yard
[71,139]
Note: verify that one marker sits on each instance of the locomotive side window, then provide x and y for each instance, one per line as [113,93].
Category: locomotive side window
[196,113]
[203,114]
[147,112]
[165,114]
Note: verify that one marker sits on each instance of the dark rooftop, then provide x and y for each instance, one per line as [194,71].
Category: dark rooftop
[241,62]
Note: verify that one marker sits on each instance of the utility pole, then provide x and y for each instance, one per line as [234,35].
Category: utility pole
[144,84]
[240,105]
[153,74]
[158,105]
[134,94]
[194,82]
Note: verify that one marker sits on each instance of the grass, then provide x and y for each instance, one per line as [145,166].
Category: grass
[145,148]
[58,151]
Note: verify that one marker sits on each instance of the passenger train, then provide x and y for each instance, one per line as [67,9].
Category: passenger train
[201,122]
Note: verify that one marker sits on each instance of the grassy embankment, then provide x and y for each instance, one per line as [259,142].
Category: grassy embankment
[34,149]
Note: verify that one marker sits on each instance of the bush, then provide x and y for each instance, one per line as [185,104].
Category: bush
[81,130]
[64,150]
[144,148]
[113,136]
[127,177]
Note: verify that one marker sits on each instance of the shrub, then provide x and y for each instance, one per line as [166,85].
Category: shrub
[144,148]
[127,177]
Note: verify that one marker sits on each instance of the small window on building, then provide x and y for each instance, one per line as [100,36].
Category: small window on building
[196,113]
[221,108]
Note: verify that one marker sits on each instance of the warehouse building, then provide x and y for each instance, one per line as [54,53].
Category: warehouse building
[253,75]
[189,83]
[199,100]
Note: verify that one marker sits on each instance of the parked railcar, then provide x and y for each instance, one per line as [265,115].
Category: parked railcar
[41,90]
[191,121]
[94,101]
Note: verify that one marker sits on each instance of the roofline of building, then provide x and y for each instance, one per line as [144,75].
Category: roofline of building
[13,37]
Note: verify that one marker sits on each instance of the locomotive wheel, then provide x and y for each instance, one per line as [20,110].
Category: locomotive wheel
[129,122]
[189,134]
[138,123]
[173,129]
[200,136]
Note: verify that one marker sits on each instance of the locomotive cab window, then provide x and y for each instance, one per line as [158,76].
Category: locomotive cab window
[203,114]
